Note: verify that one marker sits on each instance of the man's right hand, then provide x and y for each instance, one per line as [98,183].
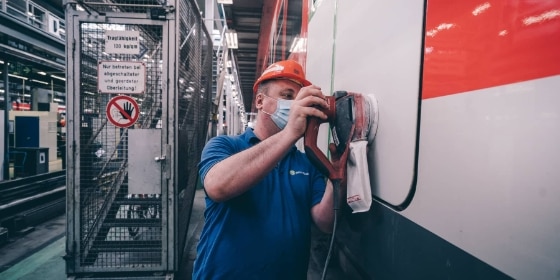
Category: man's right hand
[305,105]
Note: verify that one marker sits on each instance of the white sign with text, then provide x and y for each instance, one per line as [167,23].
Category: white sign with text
[122,42]
[121,77]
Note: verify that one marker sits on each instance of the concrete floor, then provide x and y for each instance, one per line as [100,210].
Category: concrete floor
[36,255]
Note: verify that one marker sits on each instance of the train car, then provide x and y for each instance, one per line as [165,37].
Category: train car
[465,167]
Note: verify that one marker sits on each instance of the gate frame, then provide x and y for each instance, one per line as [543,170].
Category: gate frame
[169,253]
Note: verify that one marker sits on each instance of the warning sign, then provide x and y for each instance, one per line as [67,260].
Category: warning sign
[122,42]
[122,111]
[121,77]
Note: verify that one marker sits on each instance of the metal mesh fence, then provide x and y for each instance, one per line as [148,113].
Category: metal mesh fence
[194,104]
[126,6]
[118,228]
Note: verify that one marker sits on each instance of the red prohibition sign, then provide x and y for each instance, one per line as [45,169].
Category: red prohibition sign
[122,111]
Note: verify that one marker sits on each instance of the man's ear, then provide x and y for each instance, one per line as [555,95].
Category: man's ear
[259,101]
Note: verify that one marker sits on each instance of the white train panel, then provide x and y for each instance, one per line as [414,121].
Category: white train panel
[471,189]
[488,175]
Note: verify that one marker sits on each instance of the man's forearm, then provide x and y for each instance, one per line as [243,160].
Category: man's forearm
[239,172]
[323,213]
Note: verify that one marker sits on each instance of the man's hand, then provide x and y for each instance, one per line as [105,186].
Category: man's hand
[308,103]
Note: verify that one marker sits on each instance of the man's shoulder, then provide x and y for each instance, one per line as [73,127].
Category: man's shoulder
[231,143]
[222,139]
[243,137]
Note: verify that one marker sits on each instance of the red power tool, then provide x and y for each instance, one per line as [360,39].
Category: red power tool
[352,117]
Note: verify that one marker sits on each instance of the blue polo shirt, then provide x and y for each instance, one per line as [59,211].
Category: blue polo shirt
[265,232]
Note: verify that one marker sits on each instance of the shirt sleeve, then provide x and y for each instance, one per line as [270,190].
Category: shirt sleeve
[319,185]
[216,150]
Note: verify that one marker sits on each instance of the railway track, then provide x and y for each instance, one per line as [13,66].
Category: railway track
[29,201]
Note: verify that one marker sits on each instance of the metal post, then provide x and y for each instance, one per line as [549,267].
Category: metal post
[209,15]
[6,165]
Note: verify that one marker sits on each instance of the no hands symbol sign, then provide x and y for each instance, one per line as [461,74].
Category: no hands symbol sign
[122,111]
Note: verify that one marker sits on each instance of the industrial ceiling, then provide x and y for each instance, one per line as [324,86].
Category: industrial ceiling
[250,19]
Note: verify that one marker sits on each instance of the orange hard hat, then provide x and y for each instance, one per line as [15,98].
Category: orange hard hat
[285,69]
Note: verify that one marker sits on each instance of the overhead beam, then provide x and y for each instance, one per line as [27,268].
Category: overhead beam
[270,12]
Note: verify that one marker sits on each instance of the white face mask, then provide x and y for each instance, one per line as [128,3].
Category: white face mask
[280,116]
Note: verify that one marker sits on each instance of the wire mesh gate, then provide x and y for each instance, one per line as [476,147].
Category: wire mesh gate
[139,99]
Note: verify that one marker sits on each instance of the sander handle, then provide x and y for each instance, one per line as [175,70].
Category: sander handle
[312,151]
[315,155]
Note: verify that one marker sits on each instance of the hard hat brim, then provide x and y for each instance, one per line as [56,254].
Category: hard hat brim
[293,78]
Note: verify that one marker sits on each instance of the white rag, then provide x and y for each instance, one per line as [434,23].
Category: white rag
[358,194]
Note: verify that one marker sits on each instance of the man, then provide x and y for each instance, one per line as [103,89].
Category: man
[262,193]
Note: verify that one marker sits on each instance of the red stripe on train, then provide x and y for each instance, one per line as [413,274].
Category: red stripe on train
[472,45]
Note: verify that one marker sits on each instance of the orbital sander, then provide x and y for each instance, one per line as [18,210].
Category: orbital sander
[353,119]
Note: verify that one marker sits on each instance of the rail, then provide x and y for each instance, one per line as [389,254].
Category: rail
[23,202]
[14,190]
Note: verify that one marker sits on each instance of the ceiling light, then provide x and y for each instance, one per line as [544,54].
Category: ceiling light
[57,77]
[16,76]
[37,81]
[225,2]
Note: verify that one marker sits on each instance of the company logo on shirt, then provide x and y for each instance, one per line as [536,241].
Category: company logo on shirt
[293,172]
